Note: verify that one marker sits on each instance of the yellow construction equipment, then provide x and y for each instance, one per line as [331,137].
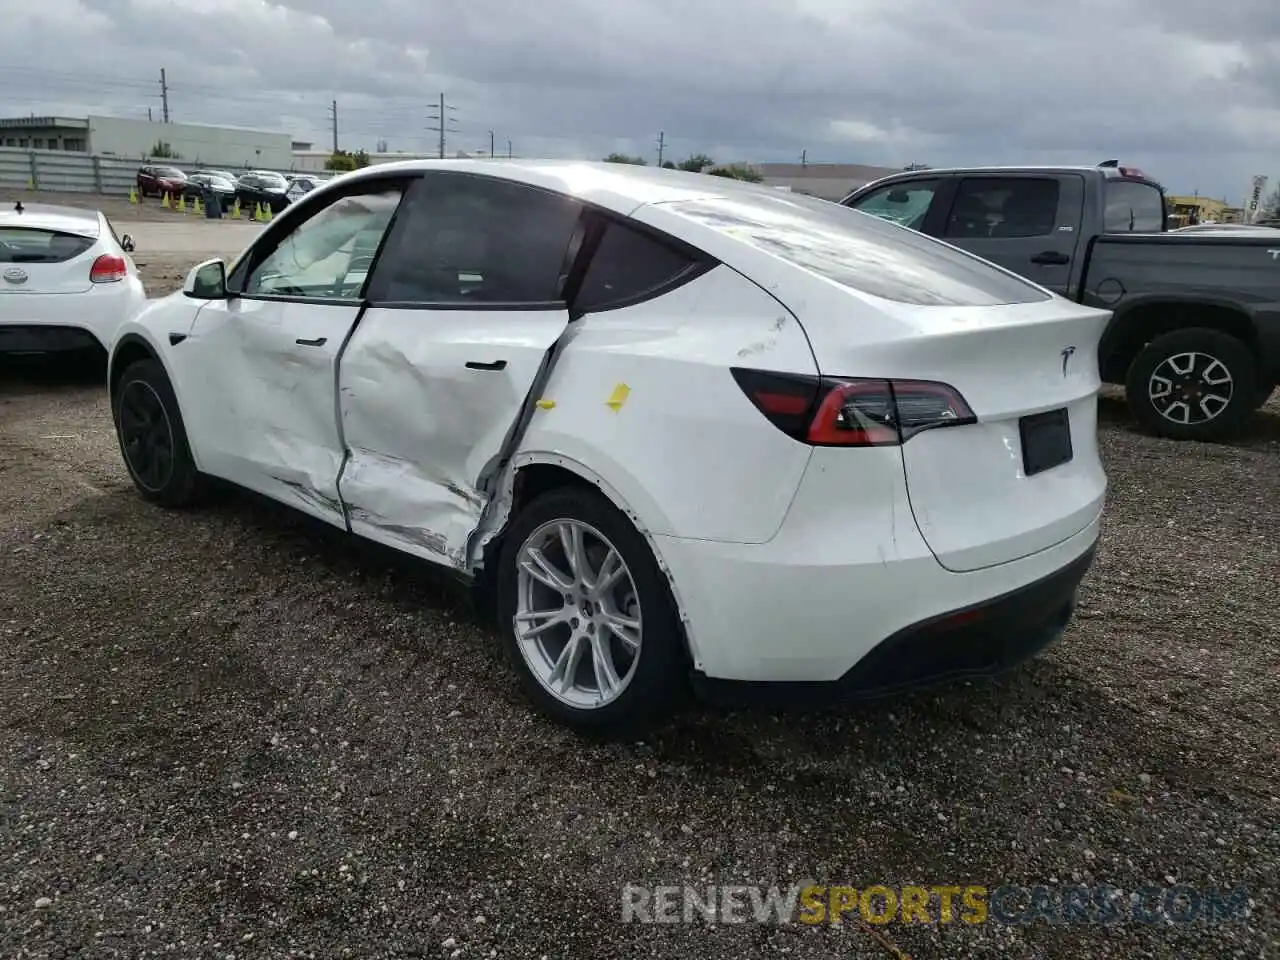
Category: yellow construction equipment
[196,207]
[235,209]
[182,204]
[133,194]
[164,202]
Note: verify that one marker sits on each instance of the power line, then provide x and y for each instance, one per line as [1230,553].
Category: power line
[442,121]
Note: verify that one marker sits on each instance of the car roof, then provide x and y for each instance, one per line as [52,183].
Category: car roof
[42,216]
[620,187]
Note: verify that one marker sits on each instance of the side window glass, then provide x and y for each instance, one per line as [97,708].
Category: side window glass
[472,239]
[627,265]
[902,203]
[329,255]
[996,207]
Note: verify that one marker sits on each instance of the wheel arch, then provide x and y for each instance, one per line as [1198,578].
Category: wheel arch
[129,349]
[535,473]
[1138,323]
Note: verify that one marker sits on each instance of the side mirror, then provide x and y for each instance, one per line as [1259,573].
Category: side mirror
[207,281]
[127,244]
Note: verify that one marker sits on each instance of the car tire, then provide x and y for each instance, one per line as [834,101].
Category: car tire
[148,423]
[653,680]
[1198,359]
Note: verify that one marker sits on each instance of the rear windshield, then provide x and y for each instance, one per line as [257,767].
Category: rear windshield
[29,245]
[1133,207]
[860,251]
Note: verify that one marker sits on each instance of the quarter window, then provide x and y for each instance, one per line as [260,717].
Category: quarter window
[1004,207]
[329,255]
[902,203]
[627,265]
[477,240]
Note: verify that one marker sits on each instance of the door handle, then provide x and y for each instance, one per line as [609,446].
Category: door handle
[1051,257]
[477,365]
[317,342]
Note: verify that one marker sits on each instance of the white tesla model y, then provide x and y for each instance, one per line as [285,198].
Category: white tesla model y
[677,425]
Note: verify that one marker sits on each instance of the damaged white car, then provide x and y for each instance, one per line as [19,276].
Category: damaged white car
[676,426]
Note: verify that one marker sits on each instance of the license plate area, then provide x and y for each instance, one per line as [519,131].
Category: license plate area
[1046,441]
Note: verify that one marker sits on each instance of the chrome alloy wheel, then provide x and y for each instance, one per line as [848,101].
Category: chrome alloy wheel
[1190,388]
[577,620]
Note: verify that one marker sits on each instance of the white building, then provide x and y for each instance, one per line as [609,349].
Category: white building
[187,144]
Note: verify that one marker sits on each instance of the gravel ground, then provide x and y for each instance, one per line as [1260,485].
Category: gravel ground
[230,733]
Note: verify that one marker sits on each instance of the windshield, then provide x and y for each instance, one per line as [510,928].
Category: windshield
[860,251]
[170,173]
[32,245]
[1133,207]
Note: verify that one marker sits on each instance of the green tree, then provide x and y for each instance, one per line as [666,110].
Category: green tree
[737,171]
[668,165]
[623,158]
[163,151]
[342,160]
[697,163]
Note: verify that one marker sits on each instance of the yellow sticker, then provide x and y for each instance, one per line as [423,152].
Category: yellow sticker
[618,397]
[545,404]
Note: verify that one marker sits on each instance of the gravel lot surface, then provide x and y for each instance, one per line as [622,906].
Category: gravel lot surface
[230,733]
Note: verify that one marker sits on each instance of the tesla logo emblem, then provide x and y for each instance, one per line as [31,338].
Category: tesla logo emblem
[1067,353]
[1275,254]
[15,275]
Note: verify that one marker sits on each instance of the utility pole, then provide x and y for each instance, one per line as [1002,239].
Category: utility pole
[662,145]
[508,149]
[333,120]
[804,158]
[164,95]
[491,154]
[442,121]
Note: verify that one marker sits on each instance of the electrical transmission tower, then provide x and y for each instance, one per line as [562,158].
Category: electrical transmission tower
[440,121]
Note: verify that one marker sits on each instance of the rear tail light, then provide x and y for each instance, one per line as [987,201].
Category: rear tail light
[840,412]
[108,268]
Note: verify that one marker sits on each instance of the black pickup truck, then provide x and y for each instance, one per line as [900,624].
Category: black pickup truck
[1195,332]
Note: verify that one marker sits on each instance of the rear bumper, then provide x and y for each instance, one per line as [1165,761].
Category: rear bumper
[981,640]
[848,572]
[16,339]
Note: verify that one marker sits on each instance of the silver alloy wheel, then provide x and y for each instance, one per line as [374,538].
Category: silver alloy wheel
[1190,387]
[577,619]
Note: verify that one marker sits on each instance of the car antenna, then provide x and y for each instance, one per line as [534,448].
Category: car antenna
[18,207]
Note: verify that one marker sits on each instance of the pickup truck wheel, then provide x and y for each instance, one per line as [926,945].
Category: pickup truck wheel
[1194,384]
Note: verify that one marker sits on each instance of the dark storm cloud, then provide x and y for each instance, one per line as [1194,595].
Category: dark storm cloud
[1186,89]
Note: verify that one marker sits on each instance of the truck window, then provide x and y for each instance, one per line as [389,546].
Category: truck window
[902,203]
[1133,207]
[1004,207]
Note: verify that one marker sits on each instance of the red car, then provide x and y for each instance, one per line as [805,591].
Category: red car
[155,181]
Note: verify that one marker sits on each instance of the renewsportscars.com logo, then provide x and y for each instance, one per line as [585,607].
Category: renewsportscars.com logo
[814,904]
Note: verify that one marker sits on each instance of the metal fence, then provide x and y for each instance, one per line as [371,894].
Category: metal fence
[77,172]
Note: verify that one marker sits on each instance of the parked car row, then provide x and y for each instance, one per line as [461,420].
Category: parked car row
[252,187]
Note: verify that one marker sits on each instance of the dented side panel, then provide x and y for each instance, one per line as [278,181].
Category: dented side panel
[644,396]
[260,407]
[426,399]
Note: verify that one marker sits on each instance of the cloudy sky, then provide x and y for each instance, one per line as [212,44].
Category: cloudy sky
[1189,90]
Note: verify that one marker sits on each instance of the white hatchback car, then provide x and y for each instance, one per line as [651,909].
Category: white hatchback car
[678,425]
[66,280]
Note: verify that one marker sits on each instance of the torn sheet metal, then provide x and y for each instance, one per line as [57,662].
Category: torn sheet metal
[425,408]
